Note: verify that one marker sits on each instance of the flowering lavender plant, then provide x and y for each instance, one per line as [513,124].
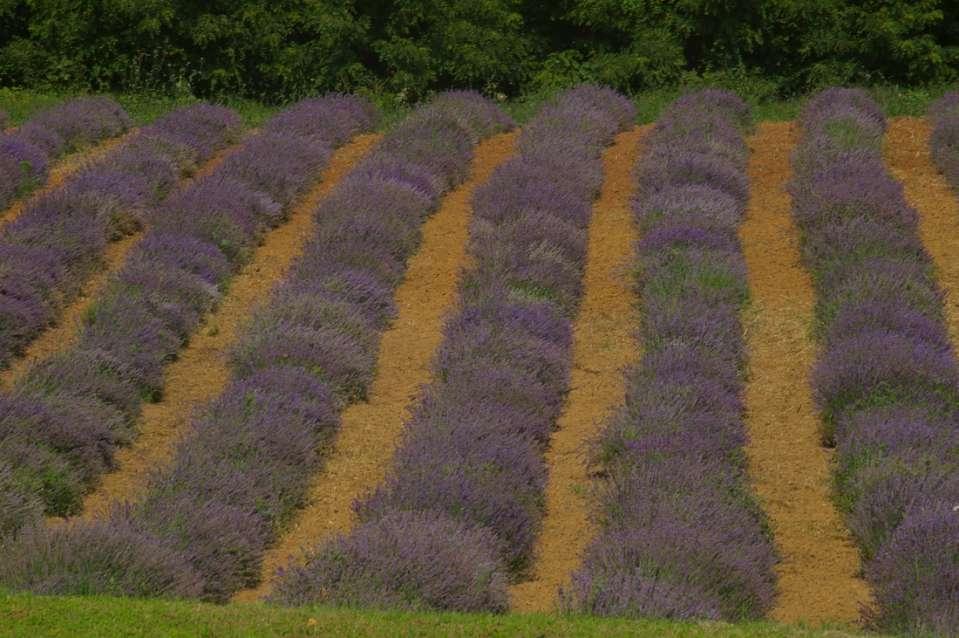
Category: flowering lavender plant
[26,152]
[944,142]
[681,535]
[460,508]
[887,380]
[244,465]
[57,242]
[198,238]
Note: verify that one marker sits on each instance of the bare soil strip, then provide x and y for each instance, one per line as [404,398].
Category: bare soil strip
[202,371]
[604,345]
[789,469]
[370,431]
[908,159]
[65,333]
[63,169]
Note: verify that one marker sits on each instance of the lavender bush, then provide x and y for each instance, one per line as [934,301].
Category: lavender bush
[461,505]
[26,152]
[16,503]
[311,349]
[944,142]
[681,535]
[24,167]
[243,469]
[81,405]
[51,249]
[886,381]
[463,572]
[103,558]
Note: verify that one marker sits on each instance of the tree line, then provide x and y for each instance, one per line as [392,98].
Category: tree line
[279,50]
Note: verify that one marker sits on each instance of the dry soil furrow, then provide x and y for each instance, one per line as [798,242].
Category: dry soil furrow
[62,170]
[65,333]
[908,159]
[604,345]
[201,372]
[370,431]
[788,467]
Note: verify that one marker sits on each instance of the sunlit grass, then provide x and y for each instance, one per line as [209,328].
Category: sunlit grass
[54,616]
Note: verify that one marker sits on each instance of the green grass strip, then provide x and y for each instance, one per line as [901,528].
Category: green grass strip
[73,617]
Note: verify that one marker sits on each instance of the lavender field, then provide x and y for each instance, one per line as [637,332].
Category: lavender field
[335,365]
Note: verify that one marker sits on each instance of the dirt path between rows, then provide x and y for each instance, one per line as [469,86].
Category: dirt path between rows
[67,330]
[604,345]
[63,169]
[369,433]
[201,372]
[908,159]
[788,467]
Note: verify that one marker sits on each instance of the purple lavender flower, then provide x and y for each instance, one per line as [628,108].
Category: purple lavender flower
[108,557]
[680,545]
[26,153]
[471,459]
[420,560]
[887,380]
[916,574]
[332,119]
[682,537]
[244,466]
[80,406]
[944,142]
[31,160]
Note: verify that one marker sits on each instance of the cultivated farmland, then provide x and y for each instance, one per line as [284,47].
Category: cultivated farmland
[699,370]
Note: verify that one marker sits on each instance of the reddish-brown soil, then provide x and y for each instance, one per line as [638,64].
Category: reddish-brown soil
[62,170]
[201,372]
[66,332]
[603,346]
[789,469]
[908,159]
[369,432]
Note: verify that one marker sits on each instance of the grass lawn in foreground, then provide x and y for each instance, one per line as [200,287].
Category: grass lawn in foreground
[32,616]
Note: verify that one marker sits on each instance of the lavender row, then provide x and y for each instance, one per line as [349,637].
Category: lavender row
[56,426]
[26,153]
[944,141]
[246,463]
[61,426]
[57,242]
[462,503]
[681,536]
[887,380]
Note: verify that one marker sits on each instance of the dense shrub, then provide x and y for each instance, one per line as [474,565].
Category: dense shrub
[101,558]
[681,536]
[244,466]
[945,136]
[26,152]
[284,50]
[886,380]
[468,477]
[312,349]
[61,425]
[431,561]
[58,240]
